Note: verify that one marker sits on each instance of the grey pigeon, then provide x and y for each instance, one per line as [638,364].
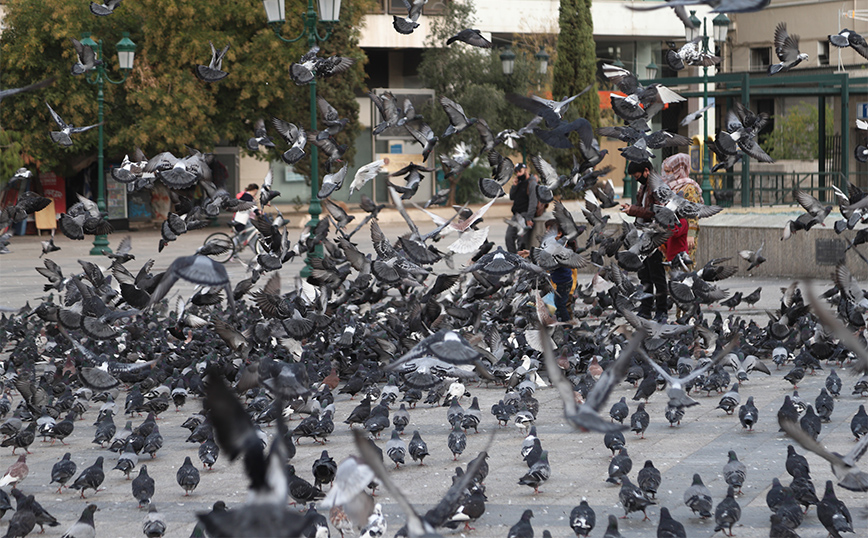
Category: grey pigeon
[734,471]
[471,36]
[697,497]
[583,518]
[833,513]
[90,478]
[62,471]
[633,499]
[143,487]
[727,513]
[849,38]
[104,9]
[214,70]
[62,137]
[187,476]
[86,59]
[787,50]
[154,524]
[84,527]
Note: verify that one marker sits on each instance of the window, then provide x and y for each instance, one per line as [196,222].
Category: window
[822,53]
[397,7]
[760,58]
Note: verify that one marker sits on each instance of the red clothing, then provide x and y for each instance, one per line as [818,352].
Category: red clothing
[677,242]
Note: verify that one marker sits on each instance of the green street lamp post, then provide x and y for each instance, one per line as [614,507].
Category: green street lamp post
[329,11]
[98,76]
[721,27]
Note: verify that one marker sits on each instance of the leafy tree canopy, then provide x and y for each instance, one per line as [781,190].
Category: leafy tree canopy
[163,106]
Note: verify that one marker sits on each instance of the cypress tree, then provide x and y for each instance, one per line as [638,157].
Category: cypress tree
[576,65]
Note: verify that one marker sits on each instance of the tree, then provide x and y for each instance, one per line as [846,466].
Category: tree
[795,135]
[473,78]
[163,106]
[576,66]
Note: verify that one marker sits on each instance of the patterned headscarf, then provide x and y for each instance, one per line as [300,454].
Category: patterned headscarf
[676,172]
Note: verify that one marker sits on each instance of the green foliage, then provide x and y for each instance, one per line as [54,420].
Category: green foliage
[795,134]
[576,66]
[10,154]
[163,106]
[473,78]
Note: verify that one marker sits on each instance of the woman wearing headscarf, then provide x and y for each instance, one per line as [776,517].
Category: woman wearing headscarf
[676,170]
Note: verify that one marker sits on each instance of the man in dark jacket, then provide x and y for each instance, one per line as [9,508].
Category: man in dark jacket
[524,202]
[653,274]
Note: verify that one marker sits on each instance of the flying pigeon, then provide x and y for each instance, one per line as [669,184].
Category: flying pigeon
[471,36]
[849,38]
[691,54]
[787,50]
[311,65]
[406,25]
[214,70]
[294,136]
[104,10]
[260,137]
[62,137]
[85,57]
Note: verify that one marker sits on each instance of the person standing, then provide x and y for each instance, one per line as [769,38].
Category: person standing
[524,206]
[676,174]
[652,275]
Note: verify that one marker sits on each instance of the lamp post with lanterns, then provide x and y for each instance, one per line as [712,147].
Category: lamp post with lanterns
[98,76]
[329,12]
[720,25]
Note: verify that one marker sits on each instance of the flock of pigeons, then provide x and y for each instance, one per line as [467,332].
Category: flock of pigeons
[396,328]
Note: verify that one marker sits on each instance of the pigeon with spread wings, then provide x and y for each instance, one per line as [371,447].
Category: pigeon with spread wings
[586,416]
[62,137]
[787,50]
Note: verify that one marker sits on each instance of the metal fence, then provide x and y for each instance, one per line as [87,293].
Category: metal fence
[776,188]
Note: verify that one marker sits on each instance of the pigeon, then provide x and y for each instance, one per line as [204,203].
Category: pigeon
[620,466]
[376,526]
[639,420]
[16,473]
[62,471]
[458,120]
[260,137]
[367,173]
[691,54]
[859,422]
[387,104]
[755,258]
[787,50]
[471,36]
[91,478]
[311,65]
[727,513]
[730,400]
[849,38]
[332,182]
[718,6]
[84,527]
[649,479]
[154,524]
[522,529]
[187,476]
[406,25]
[457,441]
[734,471]
[40,514]
[748,414]
[62,137]
[698,497]
[143,487]
[294,136]
[833,513]
[583,519]
[633,499]
[24,520]
[86,59]
[214,70]
[669,527]
[612,528]
[693,116]
[396,449]
[619,410]
[417,448]
[833,384]
[103,10]
[538,473]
